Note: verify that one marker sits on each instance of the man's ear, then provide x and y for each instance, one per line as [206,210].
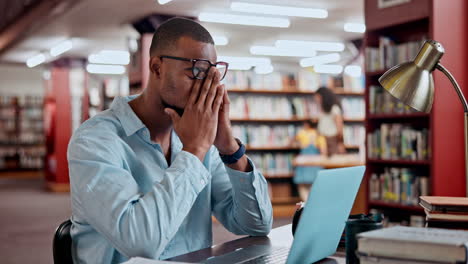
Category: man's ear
[155,65]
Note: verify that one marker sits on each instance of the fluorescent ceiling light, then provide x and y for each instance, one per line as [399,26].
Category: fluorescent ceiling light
[322,59]
[244,20]
[328,68]
[279,10]
[35,60]
[264,69]
[251,61]
[163,2]
[61,48]
[239,66]
[315,45]
[274,51]
[355,27]
[105,69]
[353,70]
[110,57]
[220,40]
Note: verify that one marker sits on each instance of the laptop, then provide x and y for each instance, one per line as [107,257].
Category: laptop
[320,227]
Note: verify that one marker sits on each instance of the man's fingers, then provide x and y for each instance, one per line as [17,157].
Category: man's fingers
[226,99]
[206,87]
[195,92]
[173,114]
[219,98]
[213,92]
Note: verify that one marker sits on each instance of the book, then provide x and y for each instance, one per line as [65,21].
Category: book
[444,204]
[381,260]
[415,243]
[398,141]
[446,216]
[447,224]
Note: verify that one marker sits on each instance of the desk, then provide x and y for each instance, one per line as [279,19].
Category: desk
[278,237]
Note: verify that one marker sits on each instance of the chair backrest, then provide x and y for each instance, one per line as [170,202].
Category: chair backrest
[62,244]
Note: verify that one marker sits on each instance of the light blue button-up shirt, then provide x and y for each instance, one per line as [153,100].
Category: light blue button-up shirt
[127,201]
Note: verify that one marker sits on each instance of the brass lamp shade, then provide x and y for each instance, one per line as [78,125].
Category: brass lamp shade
[412,82]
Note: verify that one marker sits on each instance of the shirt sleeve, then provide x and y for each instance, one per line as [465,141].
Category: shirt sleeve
[106,195]
[336,110]
[240,200]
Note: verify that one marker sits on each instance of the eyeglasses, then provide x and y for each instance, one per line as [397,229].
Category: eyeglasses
[200,67]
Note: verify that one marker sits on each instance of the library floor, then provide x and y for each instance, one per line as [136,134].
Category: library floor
[29,216]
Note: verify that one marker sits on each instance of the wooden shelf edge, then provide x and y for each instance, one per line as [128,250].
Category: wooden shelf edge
[279,176]
[397,116]
[293,91]
[402,162]
[284,92]
[395,206]
[272,148]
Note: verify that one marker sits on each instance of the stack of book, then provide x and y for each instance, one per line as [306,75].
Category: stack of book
[445,212]
[413,245]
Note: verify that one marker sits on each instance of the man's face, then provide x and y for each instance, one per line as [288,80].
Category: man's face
[176,77]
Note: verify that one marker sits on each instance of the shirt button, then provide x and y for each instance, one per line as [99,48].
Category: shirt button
[202,181]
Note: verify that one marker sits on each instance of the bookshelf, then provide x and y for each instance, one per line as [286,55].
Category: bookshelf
[22,136]
[394,35]
[267,116]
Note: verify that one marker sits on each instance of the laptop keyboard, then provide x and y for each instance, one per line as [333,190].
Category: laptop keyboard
[279,255]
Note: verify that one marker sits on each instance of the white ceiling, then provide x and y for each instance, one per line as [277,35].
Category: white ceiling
[104,24]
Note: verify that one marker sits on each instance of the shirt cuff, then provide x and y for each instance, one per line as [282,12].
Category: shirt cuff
[199,176]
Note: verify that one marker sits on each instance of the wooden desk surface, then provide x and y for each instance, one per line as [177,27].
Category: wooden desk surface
[278,237]
[338,161]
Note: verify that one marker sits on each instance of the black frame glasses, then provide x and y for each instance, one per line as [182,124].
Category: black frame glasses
[201,72]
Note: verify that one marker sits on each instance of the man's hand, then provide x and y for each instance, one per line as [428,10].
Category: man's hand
[198,125]
[224,141]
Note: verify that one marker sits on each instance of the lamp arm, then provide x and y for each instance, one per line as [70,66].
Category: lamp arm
[455,85]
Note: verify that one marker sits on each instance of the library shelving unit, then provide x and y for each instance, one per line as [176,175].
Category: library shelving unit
[22,139]
[282,190]
[396,26]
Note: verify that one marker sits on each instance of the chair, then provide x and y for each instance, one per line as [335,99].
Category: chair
[62,244]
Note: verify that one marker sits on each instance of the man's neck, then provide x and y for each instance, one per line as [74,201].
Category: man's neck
[152,115]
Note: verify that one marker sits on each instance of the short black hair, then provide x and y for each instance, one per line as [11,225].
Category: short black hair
[169,32]
[329,99]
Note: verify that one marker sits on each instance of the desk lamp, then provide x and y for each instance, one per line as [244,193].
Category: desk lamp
[413,84]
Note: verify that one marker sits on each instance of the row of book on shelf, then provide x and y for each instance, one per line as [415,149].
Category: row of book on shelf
[304,80]
[398,141]
[31,157]
[21,100]
[382,102]
[284,135]
[273,164]
[398,185]
[285,107]
[389,53]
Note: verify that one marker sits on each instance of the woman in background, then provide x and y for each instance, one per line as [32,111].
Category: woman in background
[311,144]
[330,122]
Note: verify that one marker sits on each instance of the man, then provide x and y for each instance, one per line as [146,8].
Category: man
[147,174]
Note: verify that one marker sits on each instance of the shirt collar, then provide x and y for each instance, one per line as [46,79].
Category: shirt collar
[127,117]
